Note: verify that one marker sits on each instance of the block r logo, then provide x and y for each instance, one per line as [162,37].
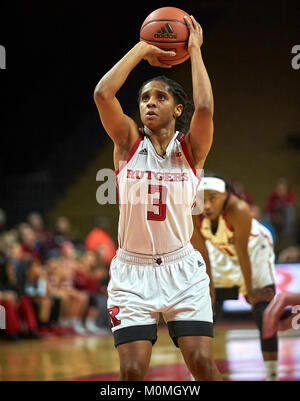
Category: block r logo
[2,317]
[2,58]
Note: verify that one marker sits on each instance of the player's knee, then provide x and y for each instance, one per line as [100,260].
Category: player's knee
[132,371]
[202,364]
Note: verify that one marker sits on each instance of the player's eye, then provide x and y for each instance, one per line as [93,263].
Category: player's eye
[161,96]
[145,98]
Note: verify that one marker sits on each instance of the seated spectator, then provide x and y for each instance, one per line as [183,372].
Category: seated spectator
[44,237]
[77,300]
[64,233]
[36,288]
[88,278]
[29,243]
[17,306]
[281,208]
[100,241]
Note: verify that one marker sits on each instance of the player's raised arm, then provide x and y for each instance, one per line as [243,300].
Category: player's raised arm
[201,128]
[121,128]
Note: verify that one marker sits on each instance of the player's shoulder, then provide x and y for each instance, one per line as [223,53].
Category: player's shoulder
[237,207]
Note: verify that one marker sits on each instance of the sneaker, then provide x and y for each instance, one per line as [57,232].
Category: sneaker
[93,328]
[78,327]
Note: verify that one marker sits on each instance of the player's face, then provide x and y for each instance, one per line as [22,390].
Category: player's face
[157,105]
[213,204]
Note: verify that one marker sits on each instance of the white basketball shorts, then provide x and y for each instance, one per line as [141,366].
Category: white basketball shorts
[142,286]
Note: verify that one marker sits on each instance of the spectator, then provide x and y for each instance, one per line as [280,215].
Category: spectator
[36,289]
[88,278]
[100,241]
[64,233]
[280,208]
[29,243]
[44,237]
[17,306]
[78,299]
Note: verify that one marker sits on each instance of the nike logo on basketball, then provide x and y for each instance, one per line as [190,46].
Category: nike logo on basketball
[143,152]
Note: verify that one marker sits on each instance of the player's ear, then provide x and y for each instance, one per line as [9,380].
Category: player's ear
[178,110]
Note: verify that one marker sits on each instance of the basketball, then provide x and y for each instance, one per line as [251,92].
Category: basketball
[166,29]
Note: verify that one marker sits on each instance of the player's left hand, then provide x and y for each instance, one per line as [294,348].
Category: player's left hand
[196,33]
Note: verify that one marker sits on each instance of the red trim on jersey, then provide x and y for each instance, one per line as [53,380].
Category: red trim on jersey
[117,184]
[130,155]
[187,156]
[228,251]
[268,239]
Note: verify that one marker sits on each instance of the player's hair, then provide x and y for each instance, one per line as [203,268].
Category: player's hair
[183,121]
[229,187]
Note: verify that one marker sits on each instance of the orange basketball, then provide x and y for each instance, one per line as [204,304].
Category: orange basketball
[166,29]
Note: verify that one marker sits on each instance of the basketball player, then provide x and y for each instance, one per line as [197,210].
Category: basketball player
[238,252]
[156,268]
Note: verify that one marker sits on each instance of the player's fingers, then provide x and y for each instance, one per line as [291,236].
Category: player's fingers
[196,24]
[166,53]
[188,22]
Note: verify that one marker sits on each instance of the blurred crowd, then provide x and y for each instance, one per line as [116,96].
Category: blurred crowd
[51,283]
[279,216]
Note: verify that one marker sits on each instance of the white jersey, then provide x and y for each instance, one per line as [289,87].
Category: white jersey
[156,197]
[224,260]
[223,238]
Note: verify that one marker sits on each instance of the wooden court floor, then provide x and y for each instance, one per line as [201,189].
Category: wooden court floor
[87,357]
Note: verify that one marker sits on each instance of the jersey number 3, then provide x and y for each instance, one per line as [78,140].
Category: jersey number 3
[160,202]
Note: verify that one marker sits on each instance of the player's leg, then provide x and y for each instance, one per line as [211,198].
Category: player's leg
[263,277]
[198,355]
[134,360]
[189,319]
[131,305]
[269,346]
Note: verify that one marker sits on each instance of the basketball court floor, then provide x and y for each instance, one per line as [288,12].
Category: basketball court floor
[94,358]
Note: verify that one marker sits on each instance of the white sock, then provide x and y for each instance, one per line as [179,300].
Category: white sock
[271,368]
